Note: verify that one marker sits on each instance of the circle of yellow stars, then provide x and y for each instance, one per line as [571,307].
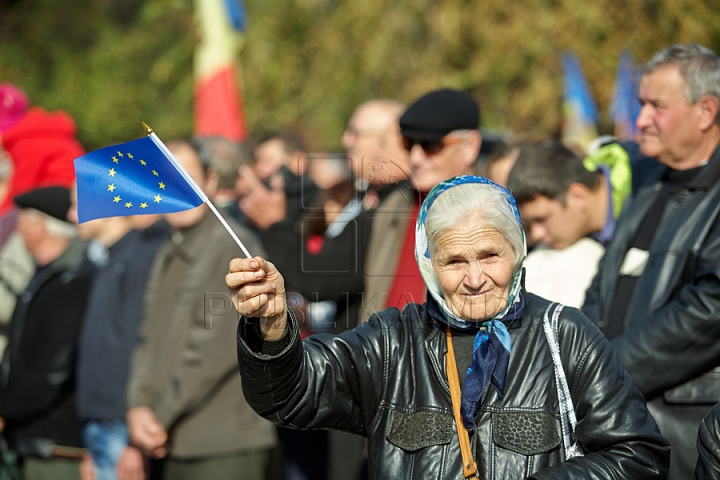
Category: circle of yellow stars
[111,173]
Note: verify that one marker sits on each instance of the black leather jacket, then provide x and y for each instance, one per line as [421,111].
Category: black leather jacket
[708,445]
[386,380]
[672,329]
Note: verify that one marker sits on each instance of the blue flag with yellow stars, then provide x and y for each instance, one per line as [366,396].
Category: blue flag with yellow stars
[133,178]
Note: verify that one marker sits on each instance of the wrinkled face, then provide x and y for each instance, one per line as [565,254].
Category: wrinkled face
[474,266]
[667,124]
[553,223]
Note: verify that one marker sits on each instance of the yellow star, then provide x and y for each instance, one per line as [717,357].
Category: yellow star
[155,173]
[117,199]
[143,205]
[130,156]
[143,162]
[115,160]
[112,172]
[128,204]
[157,198]
[111,187]
[161,185]
[120,154]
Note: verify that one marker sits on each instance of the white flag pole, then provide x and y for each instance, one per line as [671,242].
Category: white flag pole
[195,187]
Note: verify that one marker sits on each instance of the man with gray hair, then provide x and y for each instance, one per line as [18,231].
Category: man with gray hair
[37,374]
[657,292]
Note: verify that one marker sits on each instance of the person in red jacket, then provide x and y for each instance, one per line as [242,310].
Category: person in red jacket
[41,144]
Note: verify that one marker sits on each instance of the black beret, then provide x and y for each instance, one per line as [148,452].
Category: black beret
[55,201]
[438,113]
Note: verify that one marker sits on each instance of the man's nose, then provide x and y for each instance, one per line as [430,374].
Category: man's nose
[643,118]
[417,155]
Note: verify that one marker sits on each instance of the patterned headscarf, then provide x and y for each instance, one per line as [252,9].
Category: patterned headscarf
[491,349]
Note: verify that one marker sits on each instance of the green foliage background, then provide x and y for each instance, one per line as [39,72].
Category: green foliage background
[306,64]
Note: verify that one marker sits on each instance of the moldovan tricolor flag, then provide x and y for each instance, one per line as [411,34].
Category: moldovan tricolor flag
[218,96]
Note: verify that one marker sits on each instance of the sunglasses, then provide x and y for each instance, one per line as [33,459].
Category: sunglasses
[430,147]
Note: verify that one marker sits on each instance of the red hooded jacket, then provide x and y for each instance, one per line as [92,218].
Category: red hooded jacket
[42,147]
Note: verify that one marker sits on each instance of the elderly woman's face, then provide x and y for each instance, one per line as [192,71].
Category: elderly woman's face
[474,266]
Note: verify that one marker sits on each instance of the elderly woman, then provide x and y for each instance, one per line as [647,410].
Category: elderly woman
[393,379]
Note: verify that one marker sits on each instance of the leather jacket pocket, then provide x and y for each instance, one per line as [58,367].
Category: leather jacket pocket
[704,389]
[527,433]
[413,431]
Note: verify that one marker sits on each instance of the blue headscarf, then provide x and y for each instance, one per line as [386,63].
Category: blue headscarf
[491,349]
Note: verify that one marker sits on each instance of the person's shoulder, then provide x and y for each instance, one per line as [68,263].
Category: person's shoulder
[572,322]
[398,197]
[411,314]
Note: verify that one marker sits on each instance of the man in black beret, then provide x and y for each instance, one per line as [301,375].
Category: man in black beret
[37,374]
[440,132]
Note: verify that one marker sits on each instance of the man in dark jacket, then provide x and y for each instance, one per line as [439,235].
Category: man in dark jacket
[123,248]
[656,294]
[708,445]
[37,375]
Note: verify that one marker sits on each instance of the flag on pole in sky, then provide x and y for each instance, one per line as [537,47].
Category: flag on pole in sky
[579,108]
[218,96]
[133,178]
[625,105]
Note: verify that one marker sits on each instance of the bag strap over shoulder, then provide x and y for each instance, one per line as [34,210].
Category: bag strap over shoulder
[568,420]
[470,470]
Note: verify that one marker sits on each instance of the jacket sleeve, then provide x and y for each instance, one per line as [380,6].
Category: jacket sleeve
[615,430]
[680,341]
[708,445]
[325,381]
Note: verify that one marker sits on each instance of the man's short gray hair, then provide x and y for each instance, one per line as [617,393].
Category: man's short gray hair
[698,65]
[473,201]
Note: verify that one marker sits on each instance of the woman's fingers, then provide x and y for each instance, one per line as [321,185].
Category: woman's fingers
[246,264]
[257,287]
[252,290]
[245,270]
[239,279]
[260,306]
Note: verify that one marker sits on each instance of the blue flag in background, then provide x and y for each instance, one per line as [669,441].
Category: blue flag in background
[580,111]
[625,105]
[133,178]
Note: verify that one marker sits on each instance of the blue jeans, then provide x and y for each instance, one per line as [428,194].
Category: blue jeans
[106,441]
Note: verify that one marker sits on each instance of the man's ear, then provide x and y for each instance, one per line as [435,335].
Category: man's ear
[577,197]
[709,107]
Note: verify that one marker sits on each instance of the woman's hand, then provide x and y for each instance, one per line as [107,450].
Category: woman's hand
[258,291]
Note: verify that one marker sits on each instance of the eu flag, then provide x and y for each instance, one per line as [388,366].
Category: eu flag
[133,178]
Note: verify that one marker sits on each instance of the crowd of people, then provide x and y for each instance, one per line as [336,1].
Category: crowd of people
[417,306]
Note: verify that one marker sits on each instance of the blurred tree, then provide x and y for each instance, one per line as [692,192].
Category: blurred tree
[308,63]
